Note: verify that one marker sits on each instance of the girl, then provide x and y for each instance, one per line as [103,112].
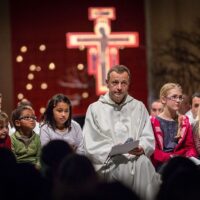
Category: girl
[4,130]
[57,123]
[173,132]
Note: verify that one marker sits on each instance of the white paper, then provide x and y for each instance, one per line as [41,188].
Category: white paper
[195,160]
[124,148]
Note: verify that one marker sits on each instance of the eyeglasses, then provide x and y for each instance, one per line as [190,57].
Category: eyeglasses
[28,118]
[175,98]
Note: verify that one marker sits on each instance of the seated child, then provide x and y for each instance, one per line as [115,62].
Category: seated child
[57,123]
[25,102]
[172,131]
[4,136]
[25,143]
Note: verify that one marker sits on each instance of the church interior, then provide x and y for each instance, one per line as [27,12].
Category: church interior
[156,39]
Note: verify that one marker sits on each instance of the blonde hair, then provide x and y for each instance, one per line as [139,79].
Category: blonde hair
[163,93]
[3,120]
[3,117]
[167,87]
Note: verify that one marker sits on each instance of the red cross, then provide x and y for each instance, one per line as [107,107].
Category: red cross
[102,46]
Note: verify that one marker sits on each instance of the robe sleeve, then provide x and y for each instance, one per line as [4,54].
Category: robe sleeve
[97,145]
[146,138]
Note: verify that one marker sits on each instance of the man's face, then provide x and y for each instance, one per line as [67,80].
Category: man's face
[118,85]
[195,106]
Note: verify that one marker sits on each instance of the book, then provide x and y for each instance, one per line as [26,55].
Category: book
[124,148]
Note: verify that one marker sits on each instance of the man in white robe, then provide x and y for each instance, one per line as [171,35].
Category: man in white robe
[113,119]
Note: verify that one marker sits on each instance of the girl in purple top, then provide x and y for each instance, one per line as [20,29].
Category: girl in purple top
[57,123]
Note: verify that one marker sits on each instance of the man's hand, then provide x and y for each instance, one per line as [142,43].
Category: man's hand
[137,151]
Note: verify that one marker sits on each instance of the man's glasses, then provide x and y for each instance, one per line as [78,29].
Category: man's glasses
[176,98]
[28,118]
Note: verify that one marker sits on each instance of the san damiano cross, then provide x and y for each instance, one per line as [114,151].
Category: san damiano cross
[102,45]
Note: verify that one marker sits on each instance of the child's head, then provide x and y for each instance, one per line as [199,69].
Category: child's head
[166,88]
[171,95]
[156,107]
[24,102]
[58,112]
[3,125]
[195,102]
[23,118]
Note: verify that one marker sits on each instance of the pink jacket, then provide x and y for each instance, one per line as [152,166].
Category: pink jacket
[185,146]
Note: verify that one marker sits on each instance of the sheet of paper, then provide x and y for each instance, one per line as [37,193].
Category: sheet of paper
[124,148]
[195,160]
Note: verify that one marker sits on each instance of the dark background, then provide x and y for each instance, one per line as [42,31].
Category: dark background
[37,22]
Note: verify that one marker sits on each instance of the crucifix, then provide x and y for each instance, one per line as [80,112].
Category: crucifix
[102,45]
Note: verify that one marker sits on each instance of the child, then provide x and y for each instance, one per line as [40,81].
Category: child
[173,132]
[156,107]
[25,102]
[25,142]
[57,123]
[4,130]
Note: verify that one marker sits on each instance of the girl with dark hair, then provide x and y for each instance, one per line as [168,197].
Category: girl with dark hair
[57,123]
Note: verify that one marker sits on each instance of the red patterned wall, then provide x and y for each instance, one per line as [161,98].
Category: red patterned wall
[45,22]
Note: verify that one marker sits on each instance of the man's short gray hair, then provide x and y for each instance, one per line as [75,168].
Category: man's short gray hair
[119,69]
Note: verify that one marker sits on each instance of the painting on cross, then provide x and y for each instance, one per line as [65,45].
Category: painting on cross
[103,45]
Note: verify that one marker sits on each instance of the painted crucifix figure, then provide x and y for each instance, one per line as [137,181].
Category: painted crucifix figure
[102,46]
